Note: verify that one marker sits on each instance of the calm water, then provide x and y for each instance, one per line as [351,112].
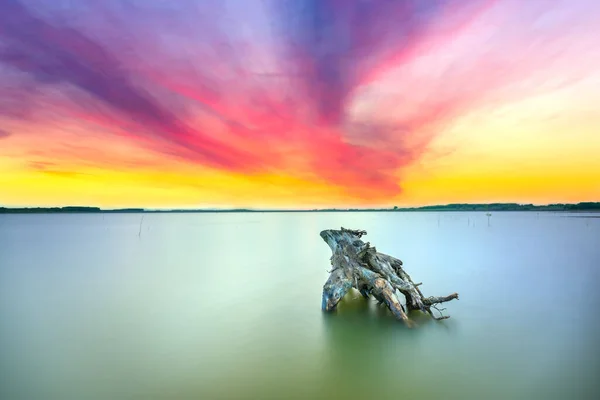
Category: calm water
[227,306]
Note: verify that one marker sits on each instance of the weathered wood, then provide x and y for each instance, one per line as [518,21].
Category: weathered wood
[358,265]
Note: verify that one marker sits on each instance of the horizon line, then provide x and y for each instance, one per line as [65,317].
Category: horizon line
[594,205]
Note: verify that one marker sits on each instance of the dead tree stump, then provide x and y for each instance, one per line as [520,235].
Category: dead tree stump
[358,265]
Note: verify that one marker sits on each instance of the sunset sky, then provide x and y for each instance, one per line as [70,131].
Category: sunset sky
[294,103]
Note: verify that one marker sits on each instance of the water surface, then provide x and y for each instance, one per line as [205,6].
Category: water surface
[227,306]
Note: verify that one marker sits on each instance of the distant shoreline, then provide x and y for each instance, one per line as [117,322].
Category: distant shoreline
[493,207]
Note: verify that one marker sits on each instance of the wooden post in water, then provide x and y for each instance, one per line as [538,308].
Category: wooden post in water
[141,221]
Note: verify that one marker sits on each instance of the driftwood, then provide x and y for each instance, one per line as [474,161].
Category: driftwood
[358,265]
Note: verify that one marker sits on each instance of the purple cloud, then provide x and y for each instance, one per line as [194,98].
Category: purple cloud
[50,54]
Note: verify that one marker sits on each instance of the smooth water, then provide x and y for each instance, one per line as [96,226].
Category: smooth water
[227,306]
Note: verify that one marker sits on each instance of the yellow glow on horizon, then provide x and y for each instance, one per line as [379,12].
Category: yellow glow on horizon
[539,150]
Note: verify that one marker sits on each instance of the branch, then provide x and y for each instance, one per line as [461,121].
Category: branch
[441,317]
[383,290]
[359,233]
[430,301]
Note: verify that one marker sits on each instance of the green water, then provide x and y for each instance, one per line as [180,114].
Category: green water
[227,306]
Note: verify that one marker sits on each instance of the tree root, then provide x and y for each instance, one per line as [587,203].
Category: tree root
[358,265]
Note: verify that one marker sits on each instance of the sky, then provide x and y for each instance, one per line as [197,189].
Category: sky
[298,103]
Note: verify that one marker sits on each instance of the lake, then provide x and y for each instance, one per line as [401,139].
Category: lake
[227,306]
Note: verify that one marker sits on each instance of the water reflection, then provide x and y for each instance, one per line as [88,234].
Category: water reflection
[371,352]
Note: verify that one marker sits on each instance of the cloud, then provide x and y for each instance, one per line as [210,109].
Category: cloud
[50,54]
[340,44]
[4,134]
[54,169]
[326,90]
